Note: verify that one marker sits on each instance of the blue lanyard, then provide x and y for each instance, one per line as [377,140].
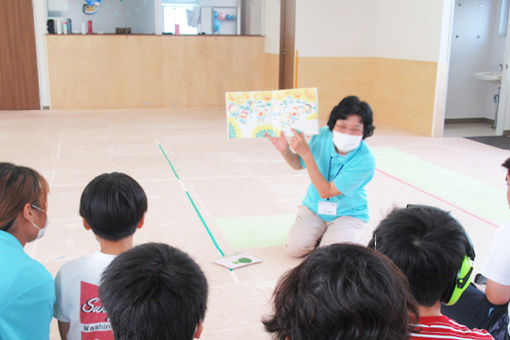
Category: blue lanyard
[329,168]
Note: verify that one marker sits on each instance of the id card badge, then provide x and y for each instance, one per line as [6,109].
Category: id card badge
[327,208]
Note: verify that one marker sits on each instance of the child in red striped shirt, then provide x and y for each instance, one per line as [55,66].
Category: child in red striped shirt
[435,253]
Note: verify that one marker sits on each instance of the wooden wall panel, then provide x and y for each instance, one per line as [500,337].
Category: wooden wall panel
[405,93]
[19,86]
[217,65]
[336,78]
[109,71]
[271,71]
[94,72]
[401,92]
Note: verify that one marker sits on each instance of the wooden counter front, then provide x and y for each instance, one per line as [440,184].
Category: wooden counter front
[132,71]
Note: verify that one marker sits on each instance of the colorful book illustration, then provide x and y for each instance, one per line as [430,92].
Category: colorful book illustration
[252,114]
[237,261]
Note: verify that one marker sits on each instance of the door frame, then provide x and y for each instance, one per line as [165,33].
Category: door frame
[287,43]
[20,79]
[443,69]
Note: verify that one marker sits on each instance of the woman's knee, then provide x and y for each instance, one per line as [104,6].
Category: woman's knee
[298,249]
[305,233]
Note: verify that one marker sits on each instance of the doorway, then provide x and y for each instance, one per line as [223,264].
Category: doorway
[477,52]
[287,36]
[19,82]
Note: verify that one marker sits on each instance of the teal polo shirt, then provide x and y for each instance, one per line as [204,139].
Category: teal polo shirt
[349,173]
[27,293]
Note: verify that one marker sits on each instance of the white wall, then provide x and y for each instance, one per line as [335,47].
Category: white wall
[57,5]
[496,47]
[408,29]
[475,47]
[504,104]
[442,68]
[402,29]
[139,15]
[255,20]
[272,26]
[40,16]
[220,3]
[336,28]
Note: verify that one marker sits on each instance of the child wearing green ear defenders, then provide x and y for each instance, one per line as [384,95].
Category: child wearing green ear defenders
[434,252]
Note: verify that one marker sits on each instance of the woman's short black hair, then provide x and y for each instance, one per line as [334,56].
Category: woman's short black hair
[352,105]
[343,291]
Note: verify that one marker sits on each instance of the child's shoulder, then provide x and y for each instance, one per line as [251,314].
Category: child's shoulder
[79,263]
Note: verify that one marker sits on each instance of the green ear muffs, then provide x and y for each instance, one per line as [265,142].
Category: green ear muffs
[460,283]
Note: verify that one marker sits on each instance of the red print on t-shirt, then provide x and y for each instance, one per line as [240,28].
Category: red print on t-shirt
[95,324]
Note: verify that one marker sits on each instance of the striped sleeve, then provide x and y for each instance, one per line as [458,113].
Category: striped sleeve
[443,328]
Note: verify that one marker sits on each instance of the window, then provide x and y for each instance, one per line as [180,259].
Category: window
[503,18]
[177,14]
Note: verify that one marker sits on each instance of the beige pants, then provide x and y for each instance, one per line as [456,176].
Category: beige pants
[309,228]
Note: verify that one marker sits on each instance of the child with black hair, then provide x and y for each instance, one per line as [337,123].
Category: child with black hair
[113,206]
[434,253]
[154,291]
[342,291]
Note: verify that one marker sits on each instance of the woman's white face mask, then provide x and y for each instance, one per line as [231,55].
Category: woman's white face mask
[346,143]
[40,231]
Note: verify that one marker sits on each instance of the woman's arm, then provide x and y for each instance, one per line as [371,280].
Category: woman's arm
[324,188]
[281,144]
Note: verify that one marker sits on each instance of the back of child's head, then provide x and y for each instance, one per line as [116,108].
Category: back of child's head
[427,244]
[112,205]
[154,291]
[342,291]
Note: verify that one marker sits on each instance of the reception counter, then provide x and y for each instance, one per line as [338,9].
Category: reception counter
[133,71]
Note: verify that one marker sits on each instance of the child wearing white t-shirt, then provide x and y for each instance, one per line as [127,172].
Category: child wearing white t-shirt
[113,206]
[489,309]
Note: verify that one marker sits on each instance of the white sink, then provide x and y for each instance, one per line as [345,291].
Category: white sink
[491,76]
